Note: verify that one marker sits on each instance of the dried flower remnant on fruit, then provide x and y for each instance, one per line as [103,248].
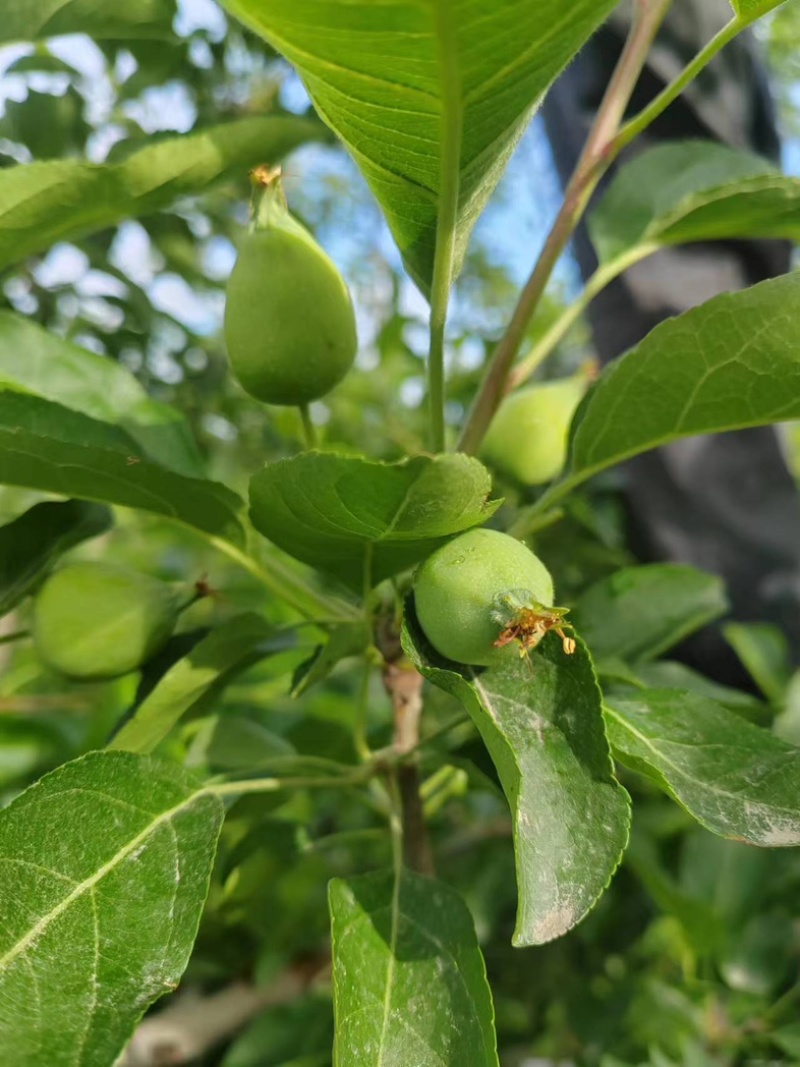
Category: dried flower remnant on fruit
[264,174]
[526,621]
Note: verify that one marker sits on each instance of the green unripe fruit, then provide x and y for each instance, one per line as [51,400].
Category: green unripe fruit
[289,321]
[527,440]
[458,589]
[94,620]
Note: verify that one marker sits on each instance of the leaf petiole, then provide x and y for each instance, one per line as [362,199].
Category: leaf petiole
[444,258]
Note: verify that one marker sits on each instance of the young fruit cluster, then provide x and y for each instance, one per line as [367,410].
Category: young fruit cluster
[290,327]
[93,621]
[483,592]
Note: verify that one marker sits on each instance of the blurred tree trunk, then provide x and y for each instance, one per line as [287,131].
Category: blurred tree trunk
[726,504]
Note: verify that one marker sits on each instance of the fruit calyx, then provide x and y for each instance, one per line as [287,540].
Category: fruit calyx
[523,619]
[268,206]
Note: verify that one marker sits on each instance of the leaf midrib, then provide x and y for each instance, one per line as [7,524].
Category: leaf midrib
[88,884]
[709,787]
[390,969]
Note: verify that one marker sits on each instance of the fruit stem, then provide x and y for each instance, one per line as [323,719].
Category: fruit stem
[603,276]
[309,429]
[594,161]
[529,523]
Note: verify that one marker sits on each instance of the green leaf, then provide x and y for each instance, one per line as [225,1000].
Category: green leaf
[348,639]
[46,446]
[211,664]
[639,612]
[764,651]
[34,360]
[701,922]
[49,125]
[750,10]
[731,363]
[787,724]
[759,959]
[41,203]
[668,674]
[430,99]
[540,718]
[30,20]
[737,780]
[688,191]
[104,868]
[342,513]
[730,876]
[33,542]
[788,1039]
[409,979]
[230,743]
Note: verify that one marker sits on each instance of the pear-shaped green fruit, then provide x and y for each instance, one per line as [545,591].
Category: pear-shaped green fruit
[95,620]
[459,590]
[527,440]
[290,328]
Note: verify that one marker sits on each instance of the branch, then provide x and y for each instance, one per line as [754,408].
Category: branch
[193,1024]
[404,683]
[593,163]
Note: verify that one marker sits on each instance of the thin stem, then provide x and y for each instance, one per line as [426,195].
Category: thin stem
[435,735]
[649,114]
[362,708]
[343,837]
[17,635]
[309,429]
[442,786]
[593,163]
[531,522]
[287,586]
[786,1000]
[444,256]
[531,518]
[273,785]
[603,276]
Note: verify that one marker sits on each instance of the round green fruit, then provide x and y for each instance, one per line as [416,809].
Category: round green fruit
[290,327]
[458,589]
[527,440]
[94,620]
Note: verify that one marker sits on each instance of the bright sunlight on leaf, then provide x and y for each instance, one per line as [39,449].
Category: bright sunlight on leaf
[430,99]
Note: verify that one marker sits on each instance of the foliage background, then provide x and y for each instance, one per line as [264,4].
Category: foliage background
[693,956]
